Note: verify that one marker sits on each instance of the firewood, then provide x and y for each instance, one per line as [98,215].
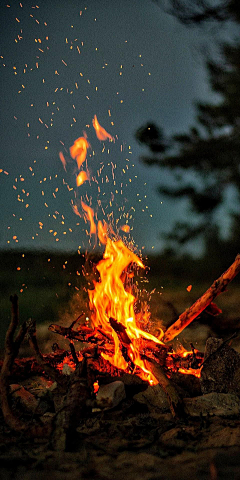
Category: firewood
[11,351]
[10,354]
[82,334]
[73,408]
[49,369]
[175,403]
[191,313]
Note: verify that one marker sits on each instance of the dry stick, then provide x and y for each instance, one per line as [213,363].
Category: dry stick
[216,288]
[49,369]
[11,351]
[9,357]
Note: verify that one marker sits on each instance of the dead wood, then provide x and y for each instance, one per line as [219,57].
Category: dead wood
[175,403]
[191,313]
[11,351]
[73,409]
[82,334]
[49,369]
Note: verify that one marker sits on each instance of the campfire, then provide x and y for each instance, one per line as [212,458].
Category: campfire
[119,356]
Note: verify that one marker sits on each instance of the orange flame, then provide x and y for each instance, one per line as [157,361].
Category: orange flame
[110,300]
[62,158]
[125,228]
[101,133]
[102,232]
[81,178]
[78,150]
[89,216]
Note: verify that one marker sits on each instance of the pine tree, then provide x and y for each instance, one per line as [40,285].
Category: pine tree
[210,152]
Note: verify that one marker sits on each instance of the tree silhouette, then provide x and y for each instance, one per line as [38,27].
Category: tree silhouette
[205,162]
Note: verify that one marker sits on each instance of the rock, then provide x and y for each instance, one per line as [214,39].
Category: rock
[110,395]
[24,398]
[174,438]
[221,369]
[155,399]
[222,404]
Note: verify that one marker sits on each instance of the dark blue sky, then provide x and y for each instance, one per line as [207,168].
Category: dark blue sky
[126,61]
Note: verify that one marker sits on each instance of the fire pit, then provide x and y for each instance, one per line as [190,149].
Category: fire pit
[125,389]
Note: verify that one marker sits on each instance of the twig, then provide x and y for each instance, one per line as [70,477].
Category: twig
[191,313]
[11,350]
[49,369]
[73,352]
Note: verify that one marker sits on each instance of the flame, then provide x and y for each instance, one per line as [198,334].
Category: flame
[102,232]
[76,211]
[78,150]
[81,178]
[62,158]
[125,228]
[109,301]
[95,387]
[89,215]
[101,133]
[191,371]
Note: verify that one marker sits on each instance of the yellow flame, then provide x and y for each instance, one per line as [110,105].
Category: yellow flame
[78,150]
[109,299]
[101,133]
[81,178]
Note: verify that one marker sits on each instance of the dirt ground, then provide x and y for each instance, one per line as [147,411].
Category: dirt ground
[128,442]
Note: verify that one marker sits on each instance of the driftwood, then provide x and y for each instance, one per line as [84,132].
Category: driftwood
[191,313]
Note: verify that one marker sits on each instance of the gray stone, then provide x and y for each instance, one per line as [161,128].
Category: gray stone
[155,398]
[24,398]
[221,404]
[221,368]
[110,395]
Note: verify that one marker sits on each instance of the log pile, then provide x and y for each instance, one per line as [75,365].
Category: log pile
[74,395]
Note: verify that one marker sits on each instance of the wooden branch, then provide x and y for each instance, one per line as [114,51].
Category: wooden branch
[175,403]
[9,357]
[82,334]
[49,369]
[191,313]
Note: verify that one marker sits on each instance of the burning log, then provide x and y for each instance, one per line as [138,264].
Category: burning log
[176,405]
[191,313]
[82,334]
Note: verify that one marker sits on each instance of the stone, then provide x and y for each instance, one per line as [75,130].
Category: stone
[155,398]
[221,368]
[24,398]
[221,404]
[110,395]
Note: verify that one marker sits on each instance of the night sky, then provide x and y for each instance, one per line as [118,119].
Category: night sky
[128,62]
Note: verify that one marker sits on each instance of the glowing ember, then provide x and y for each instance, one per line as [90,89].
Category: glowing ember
[100,131]
[95,387]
